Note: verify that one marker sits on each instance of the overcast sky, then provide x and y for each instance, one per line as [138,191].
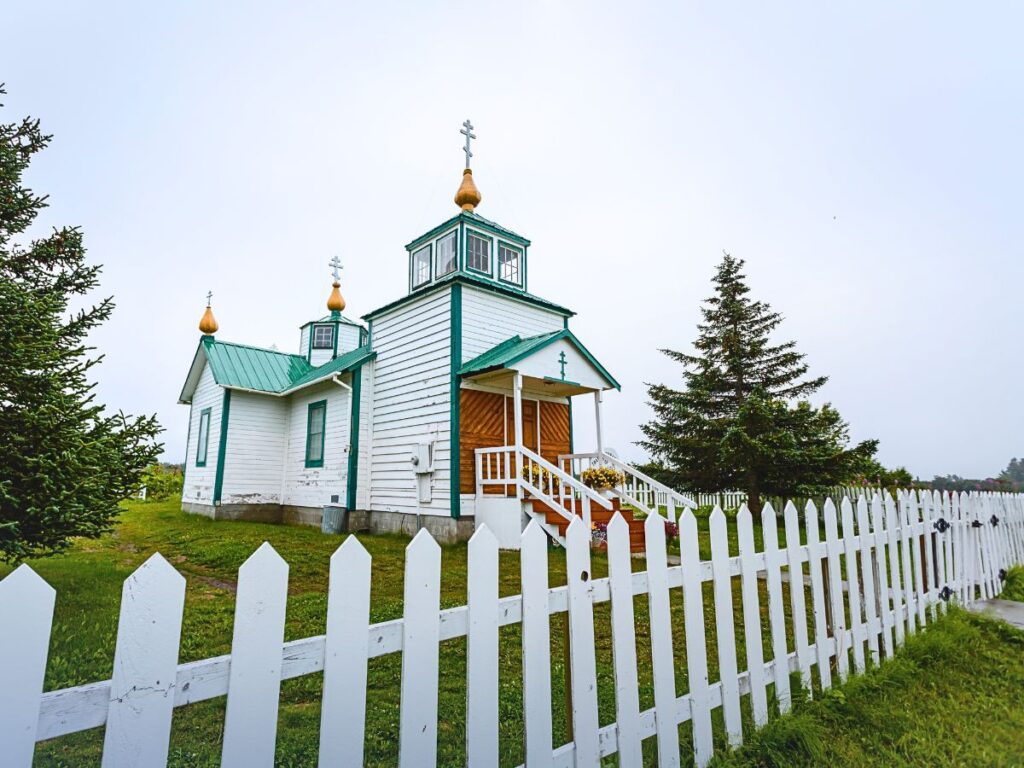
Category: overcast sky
[865,161]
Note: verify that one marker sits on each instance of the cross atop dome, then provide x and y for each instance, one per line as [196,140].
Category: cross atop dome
[335,264]
[468,197]
[467,131]
[335,302]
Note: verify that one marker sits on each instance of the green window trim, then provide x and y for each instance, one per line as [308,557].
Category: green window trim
[429,249]
[318,411]
[329,343]
[521,266]
[352,484]
[203,437]
[222,447]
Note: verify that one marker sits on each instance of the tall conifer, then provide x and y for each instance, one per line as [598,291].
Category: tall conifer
[741,419]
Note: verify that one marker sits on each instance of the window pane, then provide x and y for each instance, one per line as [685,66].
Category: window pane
[204,437]
[315,435]
[508,264]
[479,251]
[445,262]
[421,266]
[323,337]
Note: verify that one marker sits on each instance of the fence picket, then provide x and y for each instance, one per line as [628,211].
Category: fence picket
[797,600]
[752,616]
[482,650]
[696,650]
[814,565]
[943,549]
[930,515]
[583,662]
[254,685]
[881,566]
[627,694]
[725,631]
[835,583]
[895,578]
[142,687]
[776,608]
[903,527]
[343,710]
[26,605]
[851,546]
[417,729]
[533,564]
[912,520]
[867,561]
[662,660]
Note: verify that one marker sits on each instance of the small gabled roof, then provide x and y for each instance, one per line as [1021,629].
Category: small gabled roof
[511,351]
[238,366]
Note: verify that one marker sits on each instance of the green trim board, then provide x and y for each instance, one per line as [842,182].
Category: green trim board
[316,411]
[454,442]
[203,438]
[468,278]
[353,439]
[512,350]
[218,483]
[429,248]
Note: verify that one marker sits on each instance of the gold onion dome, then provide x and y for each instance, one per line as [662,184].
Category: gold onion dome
[335,302]
[468,197]
[208,325]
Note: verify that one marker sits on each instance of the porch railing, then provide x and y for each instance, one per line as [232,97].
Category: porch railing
[517,467]
[638,490]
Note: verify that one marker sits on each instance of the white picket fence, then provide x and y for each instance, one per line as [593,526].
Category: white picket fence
[734,499]
[880,572]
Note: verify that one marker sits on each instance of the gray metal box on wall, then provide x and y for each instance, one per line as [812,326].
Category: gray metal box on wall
[335,519]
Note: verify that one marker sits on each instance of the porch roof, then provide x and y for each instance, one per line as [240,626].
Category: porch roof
[516,349]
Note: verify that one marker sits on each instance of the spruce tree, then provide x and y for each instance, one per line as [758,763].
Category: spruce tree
[65,463]
[742,420]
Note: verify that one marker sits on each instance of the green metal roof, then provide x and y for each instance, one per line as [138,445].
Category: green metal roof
[511,351]
[237,366]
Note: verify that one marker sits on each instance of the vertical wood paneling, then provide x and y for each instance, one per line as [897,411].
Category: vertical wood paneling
[481,425]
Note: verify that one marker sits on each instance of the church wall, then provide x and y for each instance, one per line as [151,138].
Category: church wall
[412,390]
[313,486]
[199,481]
[348,338]
[304,340]
[488,319]
[365,437]
[257,431]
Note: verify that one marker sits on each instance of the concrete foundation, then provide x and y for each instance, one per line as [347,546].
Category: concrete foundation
[445,530]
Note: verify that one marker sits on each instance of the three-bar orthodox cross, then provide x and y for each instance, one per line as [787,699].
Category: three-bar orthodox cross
[335,265]
[467,131]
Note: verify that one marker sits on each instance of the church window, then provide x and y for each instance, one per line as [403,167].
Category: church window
[323,337]
[204,437]
[446,258]
[316,420]
[421,267]
[509,264]
[478,251]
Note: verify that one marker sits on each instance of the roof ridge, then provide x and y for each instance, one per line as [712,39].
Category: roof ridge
[258,349]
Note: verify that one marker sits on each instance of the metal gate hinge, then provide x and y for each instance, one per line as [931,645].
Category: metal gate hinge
[941,525]
[945,593]
[976,524]
[994,520]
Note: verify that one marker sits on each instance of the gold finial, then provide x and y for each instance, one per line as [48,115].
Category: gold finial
[208,324]
[468,197]
[335,302]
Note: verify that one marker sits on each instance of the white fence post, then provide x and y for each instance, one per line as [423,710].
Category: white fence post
[835,584]
[872,620]
[254,686]
[26,605]
[821,638]
[482,650]
[726,634]
[752,616]
[776,609]
[797,600]
[662,667]
[583,662]
[533,563]
[696,651]
[851,545]
[143,685]
[627,693]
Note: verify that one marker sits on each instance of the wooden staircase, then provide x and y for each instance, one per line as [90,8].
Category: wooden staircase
[598,514]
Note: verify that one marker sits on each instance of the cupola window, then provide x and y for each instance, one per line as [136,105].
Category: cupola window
[446,258]
[509,264]
[323,337]
[421,267]
[478,250]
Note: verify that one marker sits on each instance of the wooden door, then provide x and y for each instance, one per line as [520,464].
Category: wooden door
[531,439]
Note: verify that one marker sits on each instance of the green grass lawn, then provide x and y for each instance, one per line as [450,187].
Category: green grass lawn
[88,581]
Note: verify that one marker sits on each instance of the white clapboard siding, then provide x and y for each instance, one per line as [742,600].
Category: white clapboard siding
[199,481]
[582,659]
[752,616]
[696,650]
[794,558]
[627,693]
[482,651]
[136,704]
[250,723]
[314,486]
[837,609]
[26,605]
[417,734]
[726,634]
[343,710]
[776,608]
[257,438]
[819,612]
[662,666]
[489,319]
[533,558]
[138,728]
[872,620]
[851,548]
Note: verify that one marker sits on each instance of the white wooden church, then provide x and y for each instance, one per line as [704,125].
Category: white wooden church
[443,408]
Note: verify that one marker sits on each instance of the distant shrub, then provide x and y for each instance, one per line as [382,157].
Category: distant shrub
[163,481]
